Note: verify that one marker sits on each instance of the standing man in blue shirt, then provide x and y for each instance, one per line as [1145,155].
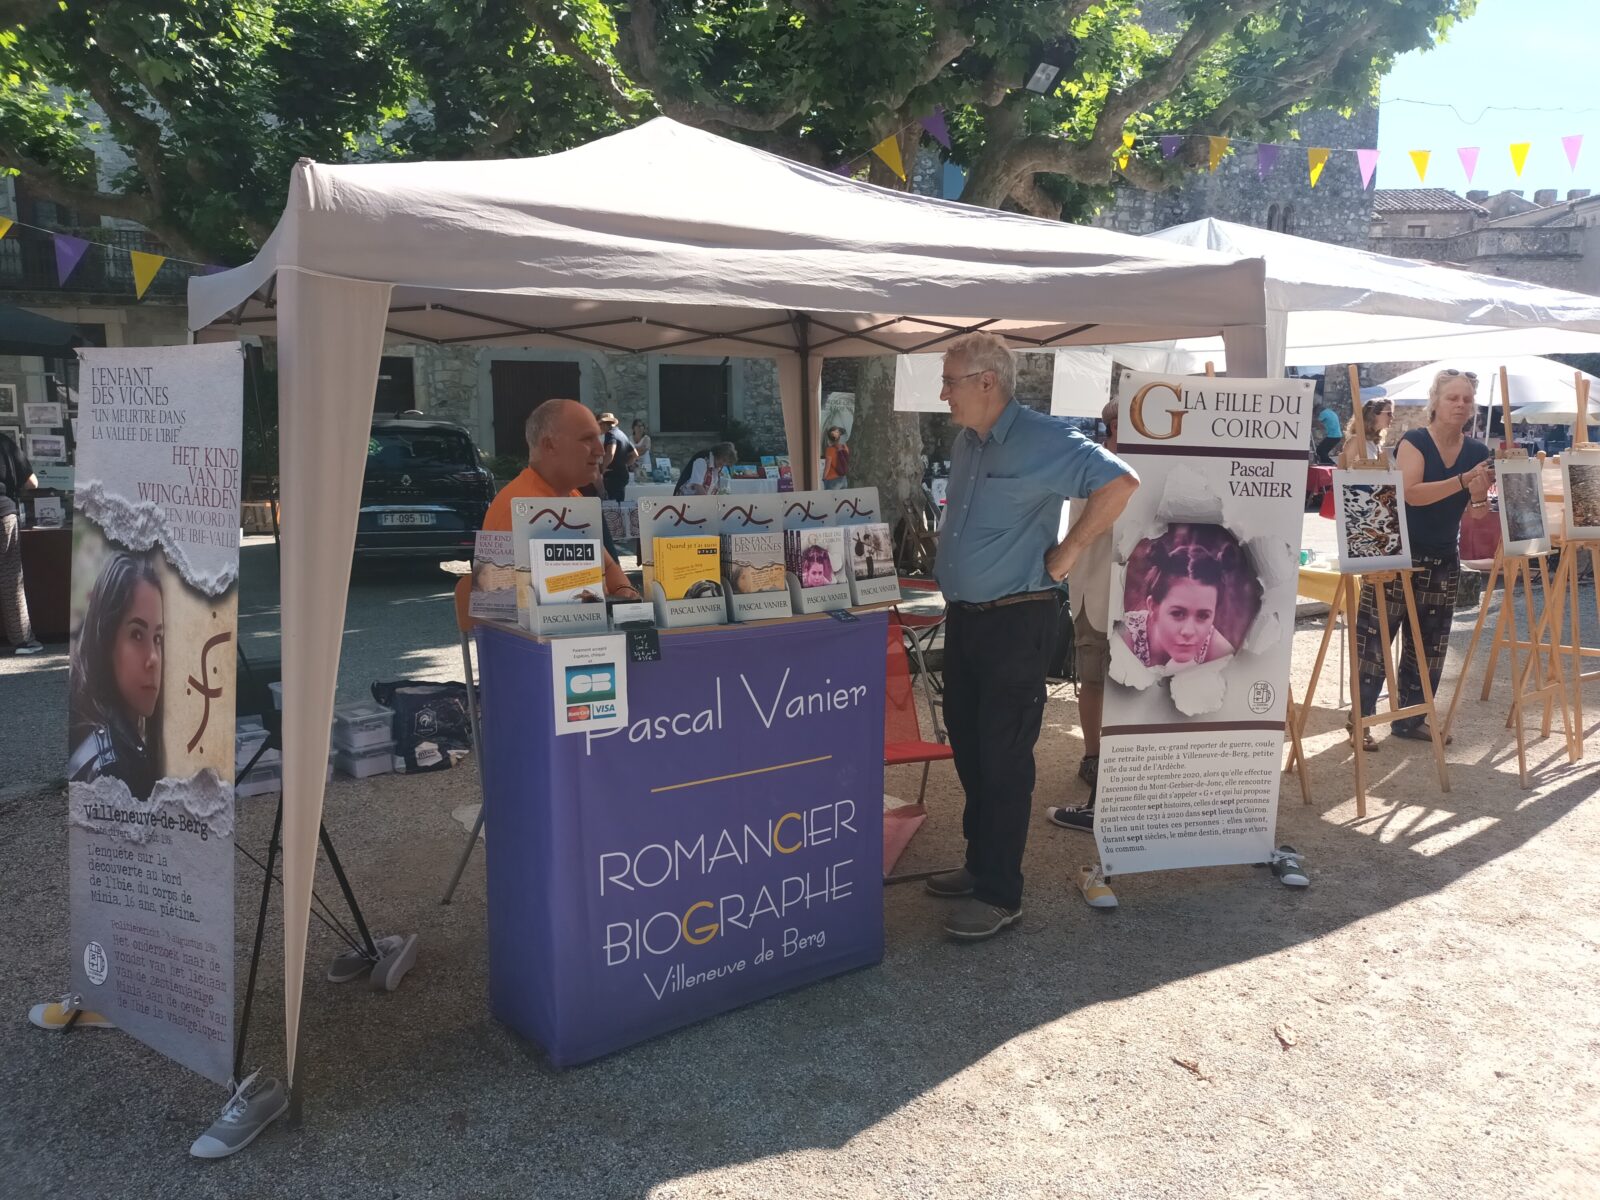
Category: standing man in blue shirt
[998,565]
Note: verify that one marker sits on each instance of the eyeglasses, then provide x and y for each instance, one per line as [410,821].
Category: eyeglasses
[952,380]
[1451,371]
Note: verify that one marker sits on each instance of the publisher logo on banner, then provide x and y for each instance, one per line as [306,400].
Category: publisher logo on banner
[1204,574]
[151,697]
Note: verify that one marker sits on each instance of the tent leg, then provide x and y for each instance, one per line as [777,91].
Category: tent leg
[477,753]
[261,928]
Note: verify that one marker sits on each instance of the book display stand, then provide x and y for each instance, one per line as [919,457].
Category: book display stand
[559,620]
[756,606]
[687,614]
[818,599]
[1347,599]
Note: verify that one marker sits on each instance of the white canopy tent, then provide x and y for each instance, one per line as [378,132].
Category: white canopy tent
[662,239]
[1334,304]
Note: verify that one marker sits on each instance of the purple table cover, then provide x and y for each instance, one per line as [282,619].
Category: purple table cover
[726,847]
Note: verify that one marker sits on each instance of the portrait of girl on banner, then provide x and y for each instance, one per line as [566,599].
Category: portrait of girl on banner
[117,658]
[1189,598]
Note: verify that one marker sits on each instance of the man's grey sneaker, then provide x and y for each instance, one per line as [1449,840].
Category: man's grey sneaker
[254,1105]
[1089,769]
[974,920]
[1288,866]
[29,648]
[353,964]
[392,967]
[952,884]
[1081,819]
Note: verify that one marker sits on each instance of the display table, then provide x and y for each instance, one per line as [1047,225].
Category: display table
[47,581]
[725,847]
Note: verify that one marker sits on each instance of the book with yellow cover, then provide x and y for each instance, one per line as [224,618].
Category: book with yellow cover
[567,570]
[687,568]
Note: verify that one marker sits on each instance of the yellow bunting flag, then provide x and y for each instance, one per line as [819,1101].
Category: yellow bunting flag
[889,151]
[1216,147]
[1419,160]
[5,225]
[1519,156]
[1318,158]
[145,267]
[1123,155]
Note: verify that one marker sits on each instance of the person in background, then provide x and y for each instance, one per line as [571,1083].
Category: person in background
[620,457]
[1376,417]
[836,461]
[1447,477]
[1090,593]
[703,475]
[16,477]
[1331,433]
[565,452]
[641,443]
[998,564]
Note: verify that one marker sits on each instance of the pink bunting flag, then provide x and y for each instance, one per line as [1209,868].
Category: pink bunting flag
[69,253]
[1368,161]
[1171,143]
[1572,145]
[1266,159]
[936,128]
[1469,159]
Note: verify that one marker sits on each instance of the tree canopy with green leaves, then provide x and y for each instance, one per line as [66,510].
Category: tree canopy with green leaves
[210,103]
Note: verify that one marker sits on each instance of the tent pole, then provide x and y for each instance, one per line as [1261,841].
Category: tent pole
[809,415]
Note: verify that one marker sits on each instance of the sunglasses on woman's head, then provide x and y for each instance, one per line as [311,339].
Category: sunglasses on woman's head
[1451,371]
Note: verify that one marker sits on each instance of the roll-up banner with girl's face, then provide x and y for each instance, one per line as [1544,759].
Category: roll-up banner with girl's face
[1205,563]
[150,735]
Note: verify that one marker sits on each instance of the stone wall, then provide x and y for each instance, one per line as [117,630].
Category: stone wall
[1337,210]
[1553,257]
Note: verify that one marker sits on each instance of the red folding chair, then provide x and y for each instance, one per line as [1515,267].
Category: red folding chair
[903,743]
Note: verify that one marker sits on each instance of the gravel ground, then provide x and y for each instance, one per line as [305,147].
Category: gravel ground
[1435,986]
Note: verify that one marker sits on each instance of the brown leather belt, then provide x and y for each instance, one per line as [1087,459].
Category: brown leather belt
[1004,601]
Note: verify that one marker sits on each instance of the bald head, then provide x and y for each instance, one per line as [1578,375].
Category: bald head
[564,444]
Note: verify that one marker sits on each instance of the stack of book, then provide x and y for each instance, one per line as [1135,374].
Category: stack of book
[753,562]
[567,570]
[687,568]
[815,556]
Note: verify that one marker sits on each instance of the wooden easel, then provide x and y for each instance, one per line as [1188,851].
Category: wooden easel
[1565,590]
[1548,685]
[1347,600]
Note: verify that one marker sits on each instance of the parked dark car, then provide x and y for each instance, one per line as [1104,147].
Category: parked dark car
[425,490]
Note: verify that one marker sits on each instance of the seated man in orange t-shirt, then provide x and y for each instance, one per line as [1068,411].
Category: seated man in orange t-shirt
[564,452]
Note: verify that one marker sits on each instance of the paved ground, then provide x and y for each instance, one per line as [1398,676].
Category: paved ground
[1436,983]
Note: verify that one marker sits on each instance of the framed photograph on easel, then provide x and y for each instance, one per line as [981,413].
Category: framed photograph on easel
[8,403]
[1522,523]
[1580,486]
[1369,510]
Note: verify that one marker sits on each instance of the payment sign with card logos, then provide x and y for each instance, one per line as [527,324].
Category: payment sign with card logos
[590,675]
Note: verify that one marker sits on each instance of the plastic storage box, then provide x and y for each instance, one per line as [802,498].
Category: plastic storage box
[362,726]
[359,764]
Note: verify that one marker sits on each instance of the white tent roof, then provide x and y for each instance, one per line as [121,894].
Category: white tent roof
[666,236]
[1539,382]
[661,238]
[1332,304]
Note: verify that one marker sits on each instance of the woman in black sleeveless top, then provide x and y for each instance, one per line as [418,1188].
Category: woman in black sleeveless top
[1447,476]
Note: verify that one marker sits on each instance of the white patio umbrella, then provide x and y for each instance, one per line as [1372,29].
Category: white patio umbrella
[1532,382]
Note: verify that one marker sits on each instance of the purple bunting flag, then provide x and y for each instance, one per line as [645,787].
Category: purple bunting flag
[69,253]
[937,129]
[1171,143]
[1266,158]
[1368,160]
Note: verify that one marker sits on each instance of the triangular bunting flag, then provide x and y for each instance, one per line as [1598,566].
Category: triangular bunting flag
[1316,158]
[1519,156]
[1419,160]
[145,267]
[1171,143]
[937,129]
[889,151]
[5,224]
[1216,148]
[1368,162]
[1469,159]
[69,253]
[1571,145]
[1125,153]
[1266,159]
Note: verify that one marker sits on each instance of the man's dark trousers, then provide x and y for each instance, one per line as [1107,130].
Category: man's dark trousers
[994,690]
